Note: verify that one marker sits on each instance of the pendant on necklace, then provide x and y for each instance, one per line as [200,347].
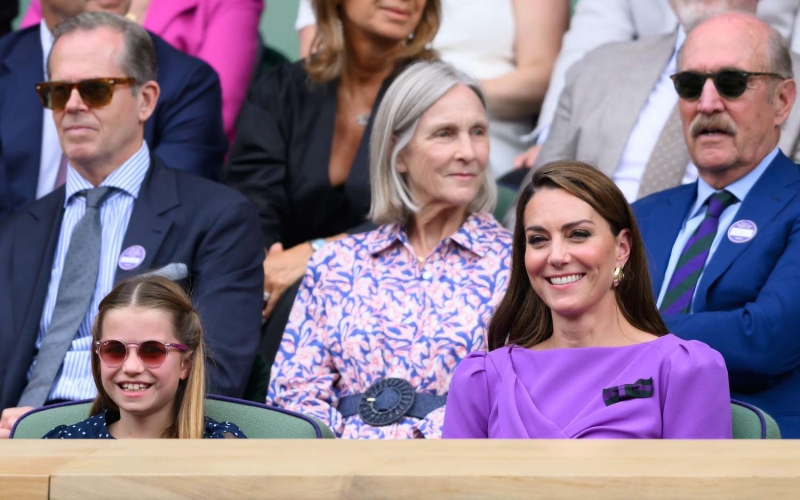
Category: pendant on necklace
[363,118]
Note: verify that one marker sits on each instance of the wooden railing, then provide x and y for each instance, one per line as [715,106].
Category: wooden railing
[328,469]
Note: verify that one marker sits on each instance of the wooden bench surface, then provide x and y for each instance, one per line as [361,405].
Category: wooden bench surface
[156,469]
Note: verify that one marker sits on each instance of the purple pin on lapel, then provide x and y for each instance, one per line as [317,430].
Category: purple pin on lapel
[742,231]
[131,257]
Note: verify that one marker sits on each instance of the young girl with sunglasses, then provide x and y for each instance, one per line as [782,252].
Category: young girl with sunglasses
[148,366]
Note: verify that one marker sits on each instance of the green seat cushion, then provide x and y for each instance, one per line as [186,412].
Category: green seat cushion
[750,422]
[254,419]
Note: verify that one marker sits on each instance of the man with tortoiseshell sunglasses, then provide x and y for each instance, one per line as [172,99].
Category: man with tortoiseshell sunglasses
[185,130]
[120,213]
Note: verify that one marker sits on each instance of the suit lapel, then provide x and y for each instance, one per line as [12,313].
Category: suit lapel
[633,89]
[766,199]
[34,251]
[661,230]
[148,227]
[21,119]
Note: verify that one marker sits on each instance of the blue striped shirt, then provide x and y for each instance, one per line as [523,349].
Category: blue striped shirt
[75,378]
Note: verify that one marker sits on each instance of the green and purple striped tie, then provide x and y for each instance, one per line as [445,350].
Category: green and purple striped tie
[694,255]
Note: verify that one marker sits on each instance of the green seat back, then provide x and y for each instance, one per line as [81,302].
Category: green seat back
[265,422]
[505,197]
[37,423]
[254,419]
[750,422]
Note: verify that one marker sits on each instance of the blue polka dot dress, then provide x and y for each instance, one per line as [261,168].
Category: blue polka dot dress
[96,427]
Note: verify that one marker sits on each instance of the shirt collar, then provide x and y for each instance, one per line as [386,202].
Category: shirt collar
[471,235]
[739,188]
[128,177]
[46,38]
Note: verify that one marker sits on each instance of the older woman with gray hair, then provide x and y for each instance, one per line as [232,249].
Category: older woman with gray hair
[382,318]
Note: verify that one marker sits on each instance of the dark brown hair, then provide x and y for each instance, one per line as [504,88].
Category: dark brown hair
[522,318]
[328,50]
[156,292]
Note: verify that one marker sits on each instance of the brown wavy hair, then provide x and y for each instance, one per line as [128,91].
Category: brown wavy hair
[328,50]
[155,292]
[522,317]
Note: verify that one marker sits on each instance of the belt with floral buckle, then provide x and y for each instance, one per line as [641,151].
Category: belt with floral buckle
[387,401]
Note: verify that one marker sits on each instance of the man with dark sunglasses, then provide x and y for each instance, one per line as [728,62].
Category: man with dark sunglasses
[185,130]
[120,213]
[724,251]
[618,109]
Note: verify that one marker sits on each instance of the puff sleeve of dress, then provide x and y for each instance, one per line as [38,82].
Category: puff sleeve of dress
[696,396]
[468,406]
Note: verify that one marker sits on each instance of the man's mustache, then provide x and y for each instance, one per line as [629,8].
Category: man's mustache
[717,123]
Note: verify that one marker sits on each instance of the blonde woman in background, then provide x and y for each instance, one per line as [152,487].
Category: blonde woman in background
[510,46]
[301,154]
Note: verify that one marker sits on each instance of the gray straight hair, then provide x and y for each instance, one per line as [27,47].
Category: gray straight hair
[138,60]
[412,93]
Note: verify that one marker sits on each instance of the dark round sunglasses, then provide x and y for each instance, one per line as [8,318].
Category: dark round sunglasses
[152,353]
[729,83]
[96,92]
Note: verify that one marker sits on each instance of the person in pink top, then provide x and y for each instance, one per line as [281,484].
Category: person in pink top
[577,348]
[223,33]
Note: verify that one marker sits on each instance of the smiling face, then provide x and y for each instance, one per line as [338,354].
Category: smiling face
[135,388]
[445,160]
[391,20]
[102,137]
[728,137]
[571,253]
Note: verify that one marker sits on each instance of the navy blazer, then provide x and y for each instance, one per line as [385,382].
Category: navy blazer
[185,129]
[177,218]
[746,303]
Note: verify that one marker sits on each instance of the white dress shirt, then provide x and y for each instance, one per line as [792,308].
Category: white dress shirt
[645,134]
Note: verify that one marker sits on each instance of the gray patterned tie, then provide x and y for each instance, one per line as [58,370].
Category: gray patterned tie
[75,291]
[667,164]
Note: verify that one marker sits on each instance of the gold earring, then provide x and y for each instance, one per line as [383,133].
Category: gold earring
[618,276]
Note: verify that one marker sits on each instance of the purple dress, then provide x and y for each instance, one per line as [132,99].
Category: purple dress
[665,388]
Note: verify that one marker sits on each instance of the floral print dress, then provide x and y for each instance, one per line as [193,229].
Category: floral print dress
[366,310]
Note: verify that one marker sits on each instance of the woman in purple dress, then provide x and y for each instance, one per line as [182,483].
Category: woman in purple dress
[577,348]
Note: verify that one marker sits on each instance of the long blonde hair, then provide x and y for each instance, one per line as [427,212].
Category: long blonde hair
[155,292]
[329,49]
